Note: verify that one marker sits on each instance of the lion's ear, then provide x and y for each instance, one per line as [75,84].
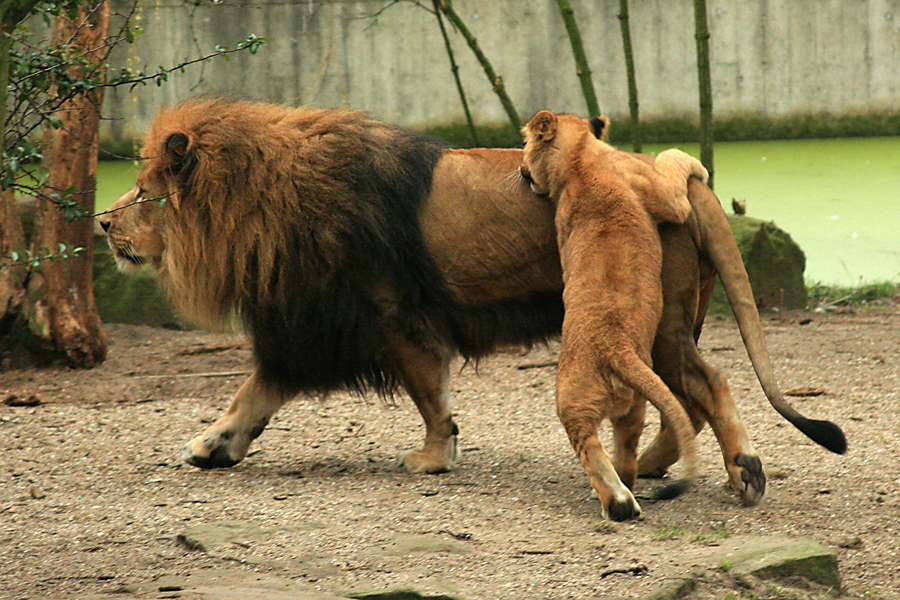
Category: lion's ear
[543,125]
[600,125]
[182,158]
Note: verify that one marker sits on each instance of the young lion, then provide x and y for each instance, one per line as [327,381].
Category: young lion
[607,207]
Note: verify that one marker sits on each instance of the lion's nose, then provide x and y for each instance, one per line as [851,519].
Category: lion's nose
[105,225]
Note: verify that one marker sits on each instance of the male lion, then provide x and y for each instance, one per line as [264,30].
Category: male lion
[608,204]
[357,253]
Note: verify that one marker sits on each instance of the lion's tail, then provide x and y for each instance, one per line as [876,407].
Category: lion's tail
[638,376]
[719,242]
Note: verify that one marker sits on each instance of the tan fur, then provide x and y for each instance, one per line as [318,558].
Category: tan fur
[606,205]
[492,239]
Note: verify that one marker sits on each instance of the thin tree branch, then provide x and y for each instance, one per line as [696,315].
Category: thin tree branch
[496,81]
[628,50]
[581,63]
[455,69]
[701,27]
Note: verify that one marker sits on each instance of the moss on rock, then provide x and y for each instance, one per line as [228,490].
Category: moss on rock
[774,263]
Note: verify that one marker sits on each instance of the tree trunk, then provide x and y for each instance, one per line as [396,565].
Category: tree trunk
[12,278]
[632,77]
[12,235]
[705,79]
[59,308]
[581,63]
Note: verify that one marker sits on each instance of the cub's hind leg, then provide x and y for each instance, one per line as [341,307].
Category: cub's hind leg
[225,442]
[583,400]
[627,431]
[425,374]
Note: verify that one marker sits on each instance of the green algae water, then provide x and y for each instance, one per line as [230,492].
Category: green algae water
[838,198]
[114,178]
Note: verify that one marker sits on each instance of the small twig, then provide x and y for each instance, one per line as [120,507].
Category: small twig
[185,375]
[635,570]
[835,302]
[539,365]
[212,349]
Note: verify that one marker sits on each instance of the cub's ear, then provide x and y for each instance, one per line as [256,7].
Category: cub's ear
[182,159]
[600,125]
[543,125]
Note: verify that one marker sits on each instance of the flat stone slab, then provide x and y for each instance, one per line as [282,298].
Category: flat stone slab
[404,543]
[214,537]
[218,584]
[403,593]
[775,557]
[239,585]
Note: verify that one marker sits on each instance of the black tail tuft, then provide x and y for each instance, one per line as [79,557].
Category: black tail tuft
[824,433]
[672,490]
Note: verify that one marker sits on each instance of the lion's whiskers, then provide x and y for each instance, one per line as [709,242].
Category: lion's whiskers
[511,180]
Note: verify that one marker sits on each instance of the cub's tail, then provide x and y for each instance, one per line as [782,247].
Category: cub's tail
[719,242]
[641,378]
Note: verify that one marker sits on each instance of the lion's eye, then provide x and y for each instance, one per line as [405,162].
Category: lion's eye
[140,192]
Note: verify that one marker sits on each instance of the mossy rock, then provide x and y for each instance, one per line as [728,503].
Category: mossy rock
[134,299]
[774,263]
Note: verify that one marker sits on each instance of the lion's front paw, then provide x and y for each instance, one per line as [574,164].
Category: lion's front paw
[216,450]
[433,458]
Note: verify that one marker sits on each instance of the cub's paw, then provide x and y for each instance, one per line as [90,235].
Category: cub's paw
[433,458]
[674,160]
[622,509]
[216,449]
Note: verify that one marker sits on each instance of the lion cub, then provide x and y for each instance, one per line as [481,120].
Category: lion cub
[607,206]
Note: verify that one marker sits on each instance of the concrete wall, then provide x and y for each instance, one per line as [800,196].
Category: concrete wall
[770,57]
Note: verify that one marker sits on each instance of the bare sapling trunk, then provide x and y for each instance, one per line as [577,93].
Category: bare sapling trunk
[628,50]
[60,309]
[581,64]
[704,78]
[496,80]
[454,68]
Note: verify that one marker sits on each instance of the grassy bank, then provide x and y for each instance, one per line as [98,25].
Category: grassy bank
[733,128]
[863,296]
[653,131]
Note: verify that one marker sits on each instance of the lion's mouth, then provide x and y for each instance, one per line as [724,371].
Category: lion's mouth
[526,175]
[126,259]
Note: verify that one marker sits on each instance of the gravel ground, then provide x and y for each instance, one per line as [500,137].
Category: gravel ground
[92,493]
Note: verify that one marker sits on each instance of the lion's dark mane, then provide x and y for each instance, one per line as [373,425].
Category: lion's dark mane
[352,266]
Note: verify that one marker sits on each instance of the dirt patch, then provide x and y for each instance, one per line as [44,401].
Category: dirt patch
[93,494]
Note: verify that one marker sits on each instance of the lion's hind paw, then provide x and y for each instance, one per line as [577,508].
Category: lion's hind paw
[433,458]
